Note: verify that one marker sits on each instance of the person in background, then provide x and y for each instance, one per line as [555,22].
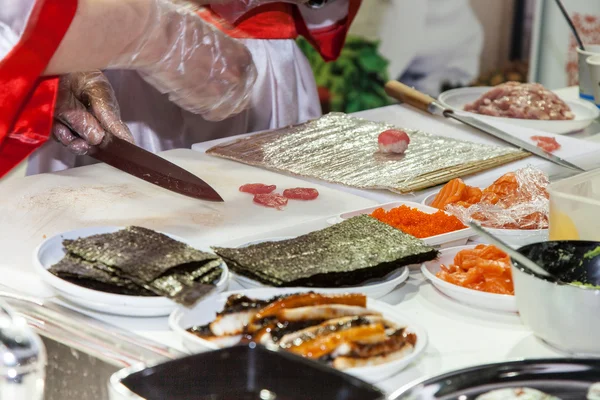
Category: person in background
[194,65]
[429,43]
[285,92]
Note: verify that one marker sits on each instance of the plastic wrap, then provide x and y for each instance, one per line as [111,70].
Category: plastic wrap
[516,200]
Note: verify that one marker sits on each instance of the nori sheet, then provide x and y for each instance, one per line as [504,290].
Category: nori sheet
[95,276]
[138,256]
[349,253]
[138,252]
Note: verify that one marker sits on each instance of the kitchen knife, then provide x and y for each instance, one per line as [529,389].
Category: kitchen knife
[142,164]
[428,104]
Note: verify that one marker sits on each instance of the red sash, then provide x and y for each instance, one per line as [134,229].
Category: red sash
[284,21]
[26,100]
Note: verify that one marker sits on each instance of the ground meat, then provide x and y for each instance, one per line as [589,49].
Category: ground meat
[523,101]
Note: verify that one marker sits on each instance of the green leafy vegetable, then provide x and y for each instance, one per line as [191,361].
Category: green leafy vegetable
[356,79]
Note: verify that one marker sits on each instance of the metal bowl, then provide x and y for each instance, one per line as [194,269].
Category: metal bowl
[564,378]
[565,316]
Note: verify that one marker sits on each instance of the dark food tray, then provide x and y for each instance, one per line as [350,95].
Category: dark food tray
[241,372]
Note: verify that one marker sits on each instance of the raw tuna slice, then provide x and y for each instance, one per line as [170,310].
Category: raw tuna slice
[546,143]
[301,193]
[273,200]
[393,141]
[257,188]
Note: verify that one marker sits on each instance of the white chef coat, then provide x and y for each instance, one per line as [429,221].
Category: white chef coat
[426,41]
[13,18]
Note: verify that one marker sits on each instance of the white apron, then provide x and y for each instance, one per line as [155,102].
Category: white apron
[285,94]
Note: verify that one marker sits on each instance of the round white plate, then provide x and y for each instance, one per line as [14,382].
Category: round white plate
[205,312]
[450,239]
[375,288]
[585,112]
[514,237]
[490,301]
[51,251]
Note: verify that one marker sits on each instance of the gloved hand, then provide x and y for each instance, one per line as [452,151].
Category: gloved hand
[86,109]
[202,70]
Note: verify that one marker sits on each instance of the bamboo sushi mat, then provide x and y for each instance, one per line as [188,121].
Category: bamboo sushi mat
[338,148]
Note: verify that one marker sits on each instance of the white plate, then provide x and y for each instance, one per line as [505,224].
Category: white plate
[514,237]
[51,251]
[585,112]
[490,301]
[376,288]
[205,312]
[450,239]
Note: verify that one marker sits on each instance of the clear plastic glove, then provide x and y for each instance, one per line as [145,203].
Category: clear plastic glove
[201,69]
[86,110]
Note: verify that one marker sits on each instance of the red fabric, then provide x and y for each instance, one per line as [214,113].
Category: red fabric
[271,21]
[284,21]
[330,41]
[26,100]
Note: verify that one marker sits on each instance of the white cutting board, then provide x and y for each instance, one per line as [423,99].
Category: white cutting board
[39,206]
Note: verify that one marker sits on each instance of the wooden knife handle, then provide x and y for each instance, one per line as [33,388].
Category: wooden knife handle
[408,95]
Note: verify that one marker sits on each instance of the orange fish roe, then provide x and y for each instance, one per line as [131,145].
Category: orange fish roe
[485,268]
[417,223]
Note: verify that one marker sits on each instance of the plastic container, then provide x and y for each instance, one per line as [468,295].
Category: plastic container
[450,239]
[575,207]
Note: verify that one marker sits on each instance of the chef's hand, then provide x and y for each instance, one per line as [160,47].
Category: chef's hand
[201,69]
[86,108]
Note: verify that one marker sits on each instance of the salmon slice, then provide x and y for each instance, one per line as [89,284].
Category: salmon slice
[452,192]
[505,185]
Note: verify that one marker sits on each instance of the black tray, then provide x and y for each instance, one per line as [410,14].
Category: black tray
[563,378]
[232,373]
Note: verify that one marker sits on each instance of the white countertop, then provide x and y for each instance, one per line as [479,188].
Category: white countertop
[459,335]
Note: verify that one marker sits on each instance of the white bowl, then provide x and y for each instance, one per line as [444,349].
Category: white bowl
[585,112]
[375,288]
[205,311]
[476,298]
[514,237]
[51,251]
[450,239]
[565,316]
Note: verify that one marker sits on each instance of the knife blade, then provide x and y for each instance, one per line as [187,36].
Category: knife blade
[145,165]
[515,141]
[428,104]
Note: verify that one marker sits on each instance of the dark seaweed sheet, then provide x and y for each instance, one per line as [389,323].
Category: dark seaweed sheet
[139,257]
[348,253]
[95,276]
[137,252]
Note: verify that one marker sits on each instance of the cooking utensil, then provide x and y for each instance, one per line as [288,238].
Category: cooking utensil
[142,164]
[570,22]
[514,254]
[428,104]
[565,316]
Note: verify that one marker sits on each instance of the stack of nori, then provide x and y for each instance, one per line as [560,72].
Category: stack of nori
[348,253]
[140,262]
